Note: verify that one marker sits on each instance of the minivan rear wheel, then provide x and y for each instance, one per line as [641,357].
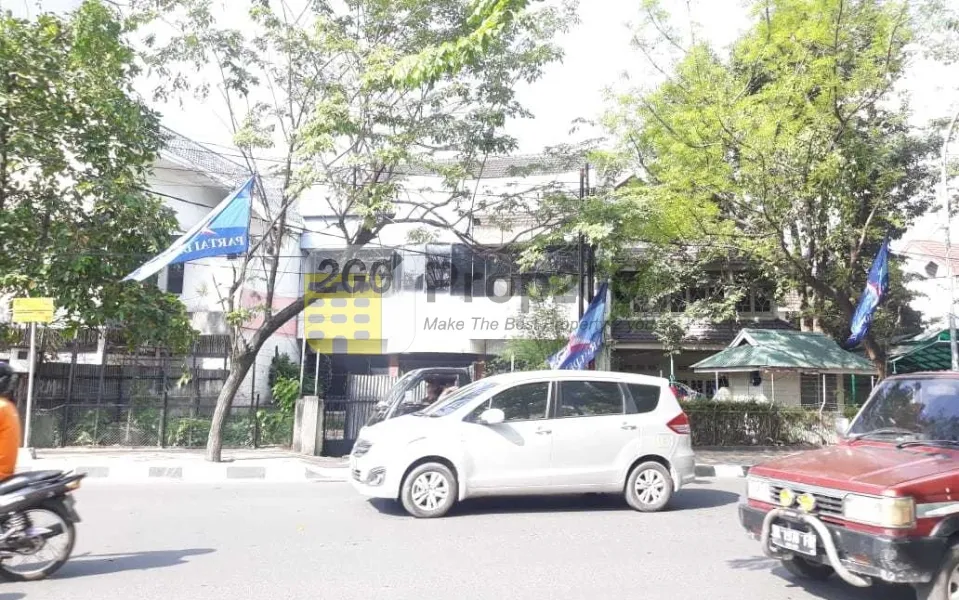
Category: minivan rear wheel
[429,490]
[649,487]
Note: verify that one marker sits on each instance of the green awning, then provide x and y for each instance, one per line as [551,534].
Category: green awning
[764,349]
[926,352]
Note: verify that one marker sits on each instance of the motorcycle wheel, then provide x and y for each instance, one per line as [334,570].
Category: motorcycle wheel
[51,511]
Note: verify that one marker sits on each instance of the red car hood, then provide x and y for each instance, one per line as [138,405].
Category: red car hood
[858,466]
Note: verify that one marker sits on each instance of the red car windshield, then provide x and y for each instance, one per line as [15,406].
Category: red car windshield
[921,408]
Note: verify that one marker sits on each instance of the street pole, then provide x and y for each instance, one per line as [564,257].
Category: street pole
[582,291]
[590,257]
[33,361]
[944,190]
[303,356]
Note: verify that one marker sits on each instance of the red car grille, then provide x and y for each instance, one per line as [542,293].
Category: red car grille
[827,502]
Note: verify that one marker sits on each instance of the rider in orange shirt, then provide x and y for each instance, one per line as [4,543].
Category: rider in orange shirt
[9,422]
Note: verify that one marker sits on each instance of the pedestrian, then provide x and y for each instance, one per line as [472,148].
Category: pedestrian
[9,422]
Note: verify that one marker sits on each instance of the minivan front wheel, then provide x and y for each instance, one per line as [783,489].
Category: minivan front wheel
[429,491]
[649,487]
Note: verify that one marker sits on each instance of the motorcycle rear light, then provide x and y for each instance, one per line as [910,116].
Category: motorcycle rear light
[679,424]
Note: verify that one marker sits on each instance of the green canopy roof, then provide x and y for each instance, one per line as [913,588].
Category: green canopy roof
[759,349]
[925,352]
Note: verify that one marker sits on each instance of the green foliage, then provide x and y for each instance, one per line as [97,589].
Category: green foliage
[286,391]
[791,151]
[276,428]
[283,367]
[485,26]
[545,330]
[189,432]
[75,149]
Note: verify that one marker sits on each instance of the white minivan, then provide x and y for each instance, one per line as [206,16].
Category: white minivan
[532,432]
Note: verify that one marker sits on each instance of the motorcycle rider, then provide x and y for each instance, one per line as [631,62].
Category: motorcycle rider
[9,422]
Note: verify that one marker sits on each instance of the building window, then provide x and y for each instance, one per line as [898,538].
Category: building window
[677,302]
[438,272]
[932,269]
[698,293]
[745,304]
[174,278]
[762,301]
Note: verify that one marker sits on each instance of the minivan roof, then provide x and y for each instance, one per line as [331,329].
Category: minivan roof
[561,374]
[925,375]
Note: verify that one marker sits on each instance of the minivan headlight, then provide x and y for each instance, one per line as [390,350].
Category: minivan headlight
[361,447]
[758,489]
[881,512]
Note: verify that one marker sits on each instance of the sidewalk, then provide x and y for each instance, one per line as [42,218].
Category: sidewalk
[186,465]
[143,465]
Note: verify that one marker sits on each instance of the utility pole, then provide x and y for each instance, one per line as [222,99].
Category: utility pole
[944,190]
[590,256]
[582,292]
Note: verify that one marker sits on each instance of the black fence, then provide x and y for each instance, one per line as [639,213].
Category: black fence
[59,384]
[162,422]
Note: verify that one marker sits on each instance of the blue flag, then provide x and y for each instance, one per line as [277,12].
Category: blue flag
[876,286]
[586,341]
[224,231]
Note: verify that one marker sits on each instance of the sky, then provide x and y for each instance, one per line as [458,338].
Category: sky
[597,54]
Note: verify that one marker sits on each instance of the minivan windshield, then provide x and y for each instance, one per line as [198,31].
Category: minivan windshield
[923,408]
[459,398]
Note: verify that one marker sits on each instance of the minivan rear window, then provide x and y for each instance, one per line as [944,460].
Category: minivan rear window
[590,398]
[645,397]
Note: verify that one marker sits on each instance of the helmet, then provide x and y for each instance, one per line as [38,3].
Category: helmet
[7,379]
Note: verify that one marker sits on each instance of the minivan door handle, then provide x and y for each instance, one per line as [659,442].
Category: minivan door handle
[627,426]
[542,431]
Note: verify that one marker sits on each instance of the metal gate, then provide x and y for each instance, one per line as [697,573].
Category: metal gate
[343,417]
[342,420]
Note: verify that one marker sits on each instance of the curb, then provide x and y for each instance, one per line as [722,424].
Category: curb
[192,473]
[281,473]
[722,471]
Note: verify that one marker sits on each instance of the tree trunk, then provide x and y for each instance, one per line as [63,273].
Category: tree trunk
[876,354]
[240,367]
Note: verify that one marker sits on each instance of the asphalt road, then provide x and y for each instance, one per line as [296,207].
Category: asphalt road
[320,540]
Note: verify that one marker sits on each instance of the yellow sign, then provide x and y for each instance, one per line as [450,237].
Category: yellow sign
[32,310]
[343,321]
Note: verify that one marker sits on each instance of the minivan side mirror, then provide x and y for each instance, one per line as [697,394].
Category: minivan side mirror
[491,416]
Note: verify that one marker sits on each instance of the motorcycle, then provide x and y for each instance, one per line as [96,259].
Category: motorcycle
[37,523]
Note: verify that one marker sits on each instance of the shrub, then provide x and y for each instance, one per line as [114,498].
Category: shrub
[286,391]
[757,424]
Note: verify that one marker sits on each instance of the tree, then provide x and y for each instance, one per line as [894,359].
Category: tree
[795,147]
[75,148]
[353,96]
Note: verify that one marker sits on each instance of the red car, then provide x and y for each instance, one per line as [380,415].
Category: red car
[881,505]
